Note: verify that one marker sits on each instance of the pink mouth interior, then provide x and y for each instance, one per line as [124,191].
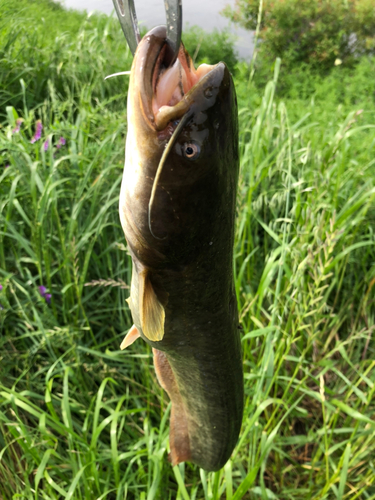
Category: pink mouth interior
[171,84]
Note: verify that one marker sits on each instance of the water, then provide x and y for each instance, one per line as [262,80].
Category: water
[204,13]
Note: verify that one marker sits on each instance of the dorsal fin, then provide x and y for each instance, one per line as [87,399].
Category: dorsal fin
[152,314]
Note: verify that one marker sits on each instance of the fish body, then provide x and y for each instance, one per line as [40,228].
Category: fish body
[177,209]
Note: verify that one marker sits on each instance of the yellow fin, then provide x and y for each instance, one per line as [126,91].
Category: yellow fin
[130,337]
[151,310]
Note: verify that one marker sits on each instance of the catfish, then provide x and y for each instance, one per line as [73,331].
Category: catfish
[177,210]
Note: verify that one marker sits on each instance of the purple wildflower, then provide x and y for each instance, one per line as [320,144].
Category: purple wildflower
[38,131]
[18,126]
[43,292]
[7,166]
[45,145]
[1,287]
[61,142]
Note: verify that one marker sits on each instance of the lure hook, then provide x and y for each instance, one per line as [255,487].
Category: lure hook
[128,19]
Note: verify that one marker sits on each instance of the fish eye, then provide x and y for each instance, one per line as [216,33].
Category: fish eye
[191,150]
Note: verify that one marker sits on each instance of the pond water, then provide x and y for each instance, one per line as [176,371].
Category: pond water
[204,13]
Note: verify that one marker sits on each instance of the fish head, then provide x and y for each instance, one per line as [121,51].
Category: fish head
[181,162]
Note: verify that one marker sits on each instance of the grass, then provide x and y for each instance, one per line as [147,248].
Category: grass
[80,419]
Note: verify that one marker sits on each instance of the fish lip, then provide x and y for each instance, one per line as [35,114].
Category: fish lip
[142,71]
[143,74]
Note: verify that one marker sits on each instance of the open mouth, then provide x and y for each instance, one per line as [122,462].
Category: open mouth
[172,84]
[166,91]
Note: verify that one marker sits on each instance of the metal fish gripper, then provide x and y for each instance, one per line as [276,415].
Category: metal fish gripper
[125,10]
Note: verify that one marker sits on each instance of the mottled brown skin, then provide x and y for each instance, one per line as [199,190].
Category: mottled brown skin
[189,263]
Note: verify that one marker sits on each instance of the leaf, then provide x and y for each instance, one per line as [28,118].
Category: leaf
[352,413]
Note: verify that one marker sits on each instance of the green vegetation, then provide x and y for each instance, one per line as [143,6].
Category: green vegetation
[80,419]
[218,46]
[320,33]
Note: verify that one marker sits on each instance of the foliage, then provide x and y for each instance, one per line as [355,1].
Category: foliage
[319,33]
[210,48]
[70,50]
[81,419]
[343,85]
[349,86]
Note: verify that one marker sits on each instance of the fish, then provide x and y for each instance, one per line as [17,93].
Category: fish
[177,210]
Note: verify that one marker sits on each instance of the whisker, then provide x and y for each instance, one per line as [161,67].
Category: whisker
[117,74]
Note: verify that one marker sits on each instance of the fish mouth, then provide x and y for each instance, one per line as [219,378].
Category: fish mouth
[166,91]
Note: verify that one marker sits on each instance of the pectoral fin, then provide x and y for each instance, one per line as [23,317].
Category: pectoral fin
[152,314]
[130,337]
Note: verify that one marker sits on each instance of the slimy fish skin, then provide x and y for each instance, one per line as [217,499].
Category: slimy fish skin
[177,210]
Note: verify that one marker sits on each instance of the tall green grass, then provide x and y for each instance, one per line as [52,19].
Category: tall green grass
[79,419]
